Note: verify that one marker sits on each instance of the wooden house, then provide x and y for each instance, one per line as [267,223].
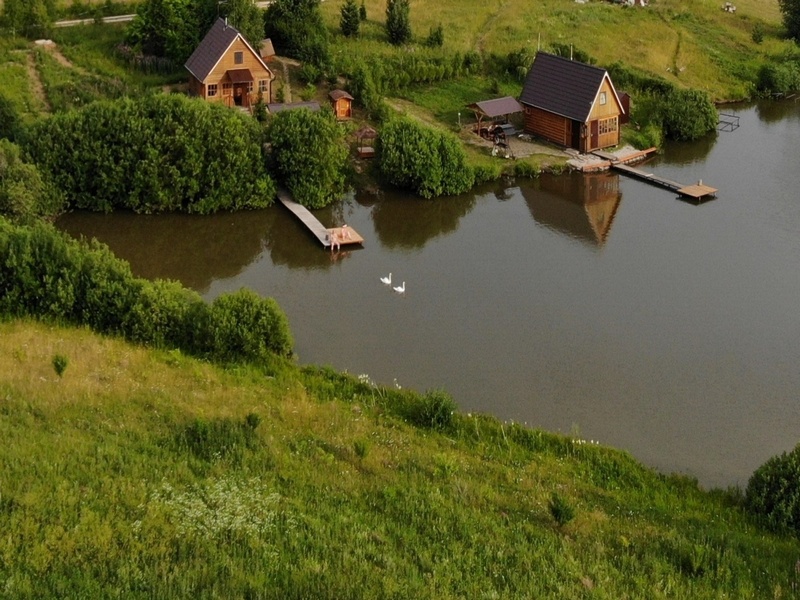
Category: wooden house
[342,104]
[225,68]
[571,104]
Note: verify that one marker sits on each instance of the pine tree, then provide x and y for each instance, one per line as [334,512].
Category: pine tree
[350,19]
[362,12]
[398,25]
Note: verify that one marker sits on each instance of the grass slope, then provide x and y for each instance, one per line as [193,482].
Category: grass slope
[141,474]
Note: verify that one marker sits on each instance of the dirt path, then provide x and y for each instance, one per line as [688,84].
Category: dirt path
[487,25]
[35,84]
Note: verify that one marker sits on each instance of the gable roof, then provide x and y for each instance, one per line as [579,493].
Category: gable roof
[213,47]
[563,86]
[498,107]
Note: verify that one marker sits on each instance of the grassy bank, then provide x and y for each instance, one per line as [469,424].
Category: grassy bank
[142,473]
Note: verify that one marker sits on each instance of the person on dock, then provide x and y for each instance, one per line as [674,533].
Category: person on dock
[335,241]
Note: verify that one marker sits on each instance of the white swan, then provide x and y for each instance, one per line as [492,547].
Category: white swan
[400,289]
[387,280]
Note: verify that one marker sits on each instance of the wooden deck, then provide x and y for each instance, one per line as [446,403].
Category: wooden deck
[333,237]
[696,191]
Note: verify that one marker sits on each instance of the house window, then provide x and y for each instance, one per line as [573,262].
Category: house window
[226,89]
[607,125]
[250,87]
[262,86]
[238,57]
[602,98]
[211,90]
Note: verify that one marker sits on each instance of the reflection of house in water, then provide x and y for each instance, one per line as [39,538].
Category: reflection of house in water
[580,206]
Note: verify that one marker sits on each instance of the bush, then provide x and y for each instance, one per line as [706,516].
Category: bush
[561,510]
[428,162]
[526,169]
[432,410]
[435,37]
[60,364]
[778,78]
[10,120]
[773,493]
[45,274]
[24,193]
[485,173]
[309,155]
[243,326]
[689,115]
[297,27]
[159,153]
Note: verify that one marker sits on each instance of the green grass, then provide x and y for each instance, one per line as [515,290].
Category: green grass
[712,50]
[147,474]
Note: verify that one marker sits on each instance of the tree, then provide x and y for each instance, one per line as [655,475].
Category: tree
[244,15]
[297,27]
[398,25]
[24,193]
[773,493]
[350,19]
[30,18]
[791,17]
[10,121]
[428,162]
[309,155]
[166,28]
[688,114]
[362,11]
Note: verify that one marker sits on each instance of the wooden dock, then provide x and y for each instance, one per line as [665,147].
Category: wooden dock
[696,191]
[329,237]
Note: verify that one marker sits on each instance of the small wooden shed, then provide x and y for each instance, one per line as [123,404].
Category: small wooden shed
[571,103]
[342,104]
[225,68]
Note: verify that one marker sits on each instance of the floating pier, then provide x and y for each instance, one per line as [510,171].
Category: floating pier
[697,191]
[329,237]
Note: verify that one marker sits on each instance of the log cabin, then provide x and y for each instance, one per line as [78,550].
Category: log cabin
[225,68]
[571,104]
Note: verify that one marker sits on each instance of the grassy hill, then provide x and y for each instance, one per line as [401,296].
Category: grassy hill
[692,43]
[141,474]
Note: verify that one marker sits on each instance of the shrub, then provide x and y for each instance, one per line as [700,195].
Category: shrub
[45,274]
[244,326]
[297,27]
[435,38]
[485,173]
[309,155]
[690,114]
[526,169]
[773,493]
[59,364]
[24,194]
[428,162]
[778,78]
[10,120]
[159,153]
[758,33]
[432,410]
[561,510]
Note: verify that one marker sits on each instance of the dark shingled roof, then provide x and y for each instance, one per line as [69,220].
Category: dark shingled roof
[498,107]
[338,94]
[218,39]
[562,86]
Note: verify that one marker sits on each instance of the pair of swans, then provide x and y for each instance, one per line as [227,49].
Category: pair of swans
[400,289]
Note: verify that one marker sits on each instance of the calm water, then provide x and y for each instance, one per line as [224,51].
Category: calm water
[596,305]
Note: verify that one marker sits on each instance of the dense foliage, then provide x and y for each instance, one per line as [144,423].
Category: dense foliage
[398,23]
[297,28]
[779,77]
[24,193]
[308,155]
[790,9]
[688,114]
[45,274]
[157,153]
[773,493]
[174,28]
[30,18]
[427,162]
[350,18]
[10,121]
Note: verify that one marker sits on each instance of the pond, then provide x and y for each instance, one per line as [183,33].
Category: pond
[597,306]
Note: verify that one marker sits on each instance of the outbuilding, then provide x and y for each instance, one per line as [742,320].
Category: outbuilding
[342,104]
[571,104]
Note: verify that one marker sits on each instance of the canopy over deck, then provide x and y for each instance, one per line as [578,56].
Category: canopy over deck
[499,107]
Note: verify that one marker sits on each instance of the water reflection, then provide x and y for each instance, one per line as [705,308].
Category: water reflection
[772,112]
[403,222]
[191,248]
[687,153]
[580,206]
